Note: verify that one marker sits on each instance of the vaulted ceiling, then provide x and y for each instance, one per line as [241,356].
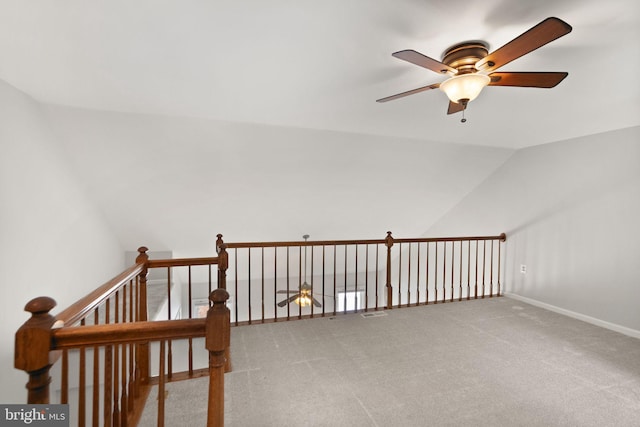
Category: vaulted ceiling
[322,64]
[245,116]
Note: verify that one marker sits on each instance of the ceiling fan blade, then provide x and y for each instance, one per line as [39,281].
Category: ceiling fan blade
[316,303]
[287,292]
[527,79]
[410,92]
[543,33]
[419,59]
[454,107]
[288,300]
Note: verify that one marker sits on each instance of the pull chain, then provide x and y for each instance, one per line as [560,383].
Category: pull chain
[463,120]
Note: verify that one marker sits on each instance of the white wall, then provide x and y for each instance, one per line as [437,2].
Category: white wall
[198,177]
[53,241]
[571,211]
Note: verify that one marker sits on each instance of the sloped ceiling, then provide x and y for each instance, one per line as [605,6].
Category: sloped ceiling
[322,64]
[258,119]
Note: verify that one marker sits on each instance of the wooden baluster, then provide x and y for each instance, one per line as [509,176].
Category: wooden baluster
[108,373]
[123,366]
[142,350]
[435,275]
[469,270]
[426,275]
[453,260]
[262,281]
[275,284]
[345,279]
[476,276]
[418,276]
[64,386]
[249,281]
[32,346]
[460,272]
[116,367]
[389,244]
[131,378]
[484,264]
[491,273]
[400,275]
[190,355]
[169,315]
[95,409]
[444,271]
[288,286]
[217,341]
[299,280]
[311,278]
[324,304]
[377,269]
[335,279]
[409,276]
[366,279]
[82,385]
[161,382]
[210,279]
[235,275]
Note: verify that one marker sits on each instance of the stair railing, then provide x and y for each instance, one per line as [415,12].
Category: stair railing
[274,281]
[109,329]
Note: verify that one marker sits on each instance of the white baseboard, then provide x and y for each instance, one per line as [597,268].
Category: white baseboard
[602,323]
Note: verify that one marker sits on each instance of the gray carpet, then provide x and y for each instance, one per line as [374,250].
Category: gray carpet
[491,362]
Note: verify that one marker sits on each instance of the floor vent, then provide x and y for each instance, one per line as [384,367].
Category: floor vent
[374,314]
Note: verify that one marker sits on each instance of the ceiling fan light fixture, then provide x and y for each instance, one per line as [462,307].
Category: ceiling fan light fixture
[303,301]
[465,87]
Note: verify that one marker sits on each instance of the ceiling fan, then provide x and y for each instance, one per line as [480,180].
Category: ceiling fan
[303,296]
[471,67]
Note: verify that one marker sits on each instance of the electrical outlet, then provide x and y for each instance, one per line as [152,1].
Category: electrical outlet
[523,268]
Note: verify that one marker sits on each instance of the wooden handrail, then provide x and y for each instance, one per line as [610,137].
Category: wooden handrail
[78,310]
[119,333]
[245,245]
[181,262]
[502,237]
[302,243]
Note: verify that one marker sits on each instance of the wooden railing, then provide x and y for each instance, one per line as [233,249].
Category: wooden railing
[344,276]
[104,343]
[112,346]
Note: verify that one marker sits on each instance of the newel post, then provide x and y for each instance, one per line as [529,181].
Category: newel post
[142,354]
[223,264]
[32,347]
[388,241]
[217,341]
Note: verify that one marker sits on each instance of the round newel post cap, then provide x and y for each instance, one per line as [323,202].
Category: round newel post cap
[219,242]
[219,296]
[503,237]
[40,305]
[142,257]
[389,239]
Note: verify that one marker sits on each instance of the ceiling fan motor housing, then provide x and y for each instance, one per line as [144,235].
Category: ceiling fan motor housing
[463,56]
